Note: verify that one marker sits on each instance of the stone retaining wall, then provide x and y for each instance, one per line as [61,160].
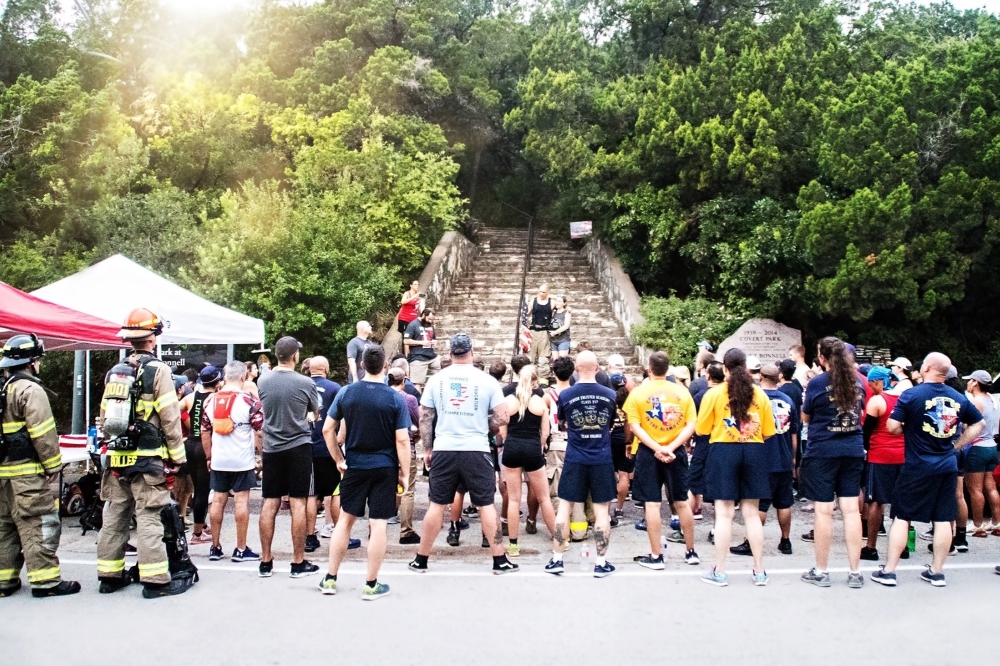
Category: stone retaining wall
[617,287]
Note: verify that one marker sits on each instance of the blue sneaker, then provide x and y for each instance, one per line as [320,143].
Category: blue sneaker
[641,525]
[883,577]
[675,524]
[245,555]
[935,579]
[603,570]
[717,579]
[215,553]
[760,579]
[555,567]
[353,543]
[369,593]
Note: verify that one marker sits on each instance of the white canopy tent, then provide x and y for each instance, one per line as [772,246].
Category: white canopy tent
[113,287]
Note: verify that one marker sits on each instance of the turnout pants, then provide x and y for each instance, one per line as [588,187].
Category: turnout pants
[406,502]
[29,532]
[144,495]
[540,350]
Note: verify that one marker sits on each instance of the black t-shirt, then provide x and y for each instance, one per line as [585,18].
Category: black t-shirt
[541,315]
[415,330]
[793,391]
[373,413]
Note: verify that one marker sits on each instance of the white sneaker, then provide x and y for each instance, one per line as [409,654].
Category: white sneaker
[327,531]
[927,535]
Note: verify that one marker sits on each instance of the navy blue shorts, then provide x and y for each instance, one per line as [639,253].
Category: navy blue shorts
[782,496]
[619,459]
[981,459]
[696,468]
[577,481]
[880,479]
[826,479]
[374,488]
[737,472]
[925,498]
[651,475]
[237,482]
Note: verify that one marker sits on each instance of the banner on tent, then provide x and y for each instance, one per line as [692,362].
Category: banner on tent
[181,357]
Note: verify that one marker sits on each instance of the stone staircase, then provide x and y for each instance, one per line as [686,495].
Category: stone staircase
[484,300]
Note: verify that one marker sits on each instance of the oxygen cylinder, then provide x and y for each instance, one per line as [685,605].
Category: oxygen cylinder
[118,401]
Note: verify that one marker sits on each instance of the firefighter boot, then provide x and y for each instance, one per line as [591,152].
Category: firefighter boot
[63,589]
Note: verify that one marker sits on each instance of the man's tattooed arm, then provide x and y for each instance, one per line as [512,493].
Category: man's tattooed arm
[498,418]
[427,415]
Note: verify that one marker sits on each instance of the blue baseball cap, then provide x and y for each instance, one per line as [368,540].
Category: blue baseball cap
[210,375]
[461,344]
[879,373]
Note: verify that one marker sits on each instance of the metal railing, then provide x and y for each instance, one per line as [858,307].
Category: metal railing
[524,276]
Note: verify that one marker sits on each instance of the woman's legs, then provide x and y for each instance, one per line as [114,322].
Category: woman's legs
[540,483]
[622,489]
[993,496]
[852,530]
[198,469]
[513,477]
[755,532]
[724,512]
[974,482]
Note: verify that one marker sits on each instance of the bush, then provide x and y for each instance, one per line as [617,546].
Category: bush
[676,325]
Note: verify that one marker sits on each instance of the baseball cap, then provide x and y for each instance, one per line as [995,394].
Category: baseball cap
[980,376]
[753,363]
[286,347]
[617,379]
[396,376]
[878,373]
[210,375]
[616,360]
[902,362]
[461,344]
[952,373]
[851,349]
[787,365]
[769,370]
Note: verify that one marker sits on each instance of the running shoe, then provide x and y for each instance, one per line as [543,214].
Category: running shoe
[196,539]
[556,567]
[614,521]
[713,578]
[883,577]
[641,525]
[486,542]
[816,578]
[245,555]
[215,554]
[760,579]
[531,526]
[742,549]
[264,569]
[675,523]
[905,555]
[927,535]
[618,513]
[353,543]
[513,550]
[935,579]
[417,566]
[870,554]
[785,547]
[711,537]
[698,516]
[393,521]
[470,511]
[650,562]
[691,558]
[327,531]
[676,537]
[369,593]
[641,505]
[328,585]
[453,536]
[952,550]
[410,539]
[463,524]
[504,529]
[961,544]
[808,536]
[855,581]
[505,567]
[997,571]
[303,569]
[603,570]
[312,543]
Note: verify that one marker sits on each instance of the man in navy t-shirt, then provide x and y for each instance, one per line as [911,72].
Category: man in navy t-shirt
[588,410]
[929,417]
[326,477]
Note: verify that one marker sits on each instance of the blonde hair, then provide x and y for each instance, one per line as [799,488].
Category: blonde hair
[525,386]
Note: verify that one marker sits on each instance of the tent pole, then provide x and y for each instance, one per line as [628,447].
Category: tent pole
[86,392]
[79,426]
[229,353]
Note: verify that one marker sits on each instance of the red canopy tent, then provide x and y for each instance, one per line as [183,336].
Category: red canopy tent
[60,328]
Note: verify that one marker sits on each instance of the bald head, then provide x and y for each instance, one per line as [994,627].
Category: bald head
[935,368]
[587,366]
[364,329]
[319,366]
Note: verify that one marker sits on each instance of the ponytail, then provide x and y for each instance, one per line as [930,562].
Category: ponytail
[740,385]
[841,371]
[525,386]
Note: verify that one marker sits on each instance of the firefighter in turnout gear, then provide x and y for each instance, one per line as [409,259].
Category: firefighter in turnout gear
[143,447]
[29,458]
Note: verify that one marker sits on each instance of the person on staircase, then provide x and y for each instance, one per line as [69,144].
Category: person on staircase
[539,322]
[559,338]
[419,342]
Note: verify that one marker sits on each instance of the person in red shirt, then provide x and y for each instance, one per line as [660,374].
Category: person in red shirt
[885,456]
[410,306]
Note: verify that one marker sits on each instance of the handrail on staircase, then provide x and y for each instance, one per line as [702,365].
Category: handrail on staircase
[529,248]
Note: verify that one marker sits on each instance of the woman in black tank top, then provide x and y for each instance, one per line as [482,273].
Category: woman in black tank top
[197,463]
[524,440]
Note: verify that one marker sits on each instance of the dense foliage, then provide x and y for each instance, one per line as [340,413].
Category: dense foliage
[836,169]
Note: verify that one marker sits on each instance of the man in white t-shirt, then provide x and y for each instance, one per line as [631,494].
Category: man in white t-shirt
[231,421]
[461,406]
[798,354]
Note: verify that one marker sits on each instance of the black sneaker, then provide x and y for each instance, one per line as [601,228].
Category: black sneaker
[63,589]
[953,550]
[463,524]
[650,562]
[486,542]
[641,525]
[961,544]
[312,542]
[615,522]
[742,549]
[453,536]
[785,547]
[905,554]
[808,536]
[410,539]
[470,511]
[556,567]
[303,569]
[417,566]
[505,567]
[264,569]
[870,554]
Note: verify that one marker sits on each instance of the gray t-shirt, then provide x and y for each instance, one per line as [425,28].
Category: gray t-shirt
[463,396]
[356,350]
[287,398]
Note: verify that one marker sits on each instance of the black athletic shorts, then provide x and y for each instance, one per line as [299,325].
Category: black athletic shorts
[826,479]
[735,472]
[287,472]
[696,468]
[375,488]
[326,477]
[925,498]
[523,453]
[237,482]
[651,475]
[880,479]
[619,446]
[470,470]
[782,496]
[578,480]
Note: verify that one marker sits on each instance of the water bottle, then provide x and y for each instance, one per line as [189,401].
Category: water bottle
[92,439]
[663,542]
[585,557]
[911,540]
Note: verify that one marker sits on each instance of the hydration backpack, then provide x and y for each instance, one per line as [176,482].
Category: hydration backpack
[222,410]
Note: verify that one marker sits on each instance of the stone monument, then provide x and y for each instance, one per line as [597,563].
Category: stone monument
[766,339]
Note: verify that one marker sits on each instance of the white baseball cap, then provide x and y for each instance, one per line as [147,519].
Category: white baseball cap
[616,360]
[753,363]
[902,362]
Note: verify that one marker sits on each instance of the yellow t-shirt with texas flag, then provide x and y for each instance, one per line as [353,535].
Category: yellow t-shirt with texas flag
[661,408]
[716,420]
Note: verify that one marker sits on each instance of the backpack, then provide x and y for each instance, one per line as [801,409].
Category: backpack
[222,410]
